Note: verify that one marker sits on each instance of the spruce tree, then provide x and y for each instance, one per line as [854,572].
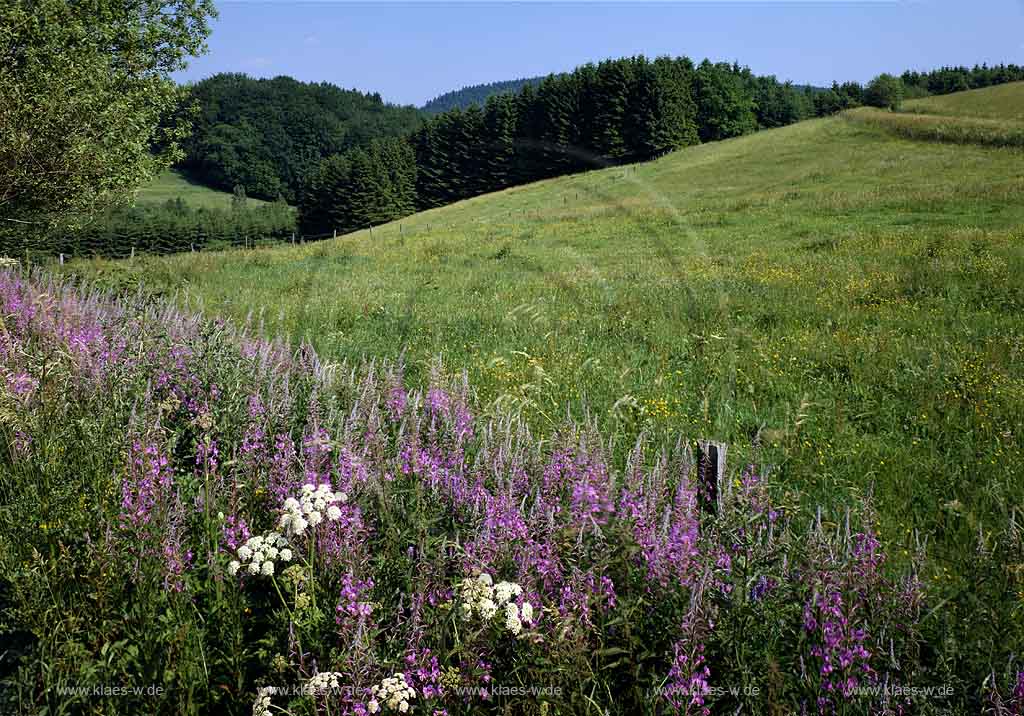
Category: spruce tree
[500,127]
[613,91]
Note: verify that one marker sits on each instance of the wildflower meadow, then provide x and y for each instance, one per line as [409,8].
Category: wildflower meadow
[212,522]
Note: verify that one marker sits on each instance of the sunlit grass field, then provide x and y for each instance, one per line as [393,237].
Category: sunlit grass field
[172,184]
[942,127]
[999,102]
[831,299]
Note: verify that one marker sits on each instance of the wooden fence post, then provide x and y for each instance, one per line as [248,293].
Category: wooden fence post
[710,474]
[335,234]
[133,252]
[62,259]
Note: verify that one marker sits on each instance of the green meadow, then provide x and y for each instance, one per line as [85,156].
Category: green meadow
[171,184]
[832,299]
[997,102]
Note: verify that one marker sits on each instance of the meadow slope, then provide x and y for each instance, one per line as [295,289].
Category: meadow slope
[1004,101]
[172,184]
[836,301]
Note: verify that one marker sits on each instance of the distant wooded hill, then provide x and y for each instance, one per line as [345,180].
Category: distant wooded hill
[476,94]
[266,134]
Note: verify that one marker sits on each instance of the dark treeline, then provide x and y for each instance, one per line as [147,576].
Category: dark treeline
[957,79]
[157,229]
[361,188]
[265,134]
[476,94]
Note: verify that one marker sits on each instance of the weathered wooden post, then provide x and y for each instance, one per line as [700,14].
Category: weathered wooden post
[293,237]
[62,259]
[335,234]
[710,474]
[133,252]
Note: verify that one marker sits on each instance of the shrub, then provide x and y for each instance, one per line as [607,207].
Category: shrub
[884,91]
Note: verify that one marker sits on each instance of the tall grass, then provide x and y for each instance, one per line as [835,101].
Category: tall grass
[828,298]
[943,128]
[997,102]
[172,184]
[198,521]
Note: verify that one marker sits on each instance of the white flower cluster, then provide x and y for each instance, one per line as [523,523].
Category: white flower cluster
[6,262]
[517,615]
[483,597]
[258,554]
[323,682]
[261,706]
[393,692]
[314,505]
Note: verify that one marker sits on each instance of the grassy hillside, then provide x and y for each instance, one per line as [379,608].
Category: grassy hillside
[942,127]
[999,102]
[173,185]
[990,116]
[846,299]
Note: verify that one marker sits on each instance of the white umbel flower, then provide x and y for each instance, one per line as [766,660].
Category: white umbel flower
[512,621]
[483,597]
[259,553]
[487,608]
[505,591]
[323,682]
[394,692]
[261,707]
[309,509]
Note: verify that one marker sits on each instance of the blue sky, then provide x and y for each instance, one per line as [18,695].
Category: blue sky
[411,52]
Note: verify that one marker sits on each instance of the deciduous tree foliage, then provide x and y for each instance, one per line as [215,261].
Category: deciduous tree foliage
[267,134]
[83,87]
[884,91]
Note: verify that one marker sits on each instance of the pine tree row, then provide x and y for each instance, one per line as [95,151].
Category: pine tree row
[360,188]
[162,229]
